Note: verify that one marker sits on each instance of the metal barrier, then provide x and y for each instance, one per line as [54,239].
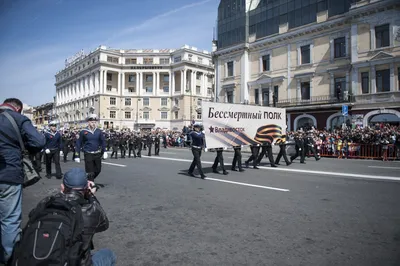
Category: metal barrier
[360,151]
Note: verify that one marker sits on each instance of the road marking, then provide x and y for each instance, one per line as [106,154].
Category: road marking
[246,184]
[375,177]
[384,167]
[114,164]
[167,152]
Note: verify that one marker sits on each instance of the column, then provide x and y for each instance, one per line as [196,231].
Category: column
[332,49]
[260,95]
[346,92]
[97,81]
[154,82]
[354,43]
[101,90]
[184,80]
[372,36]
[392,79]
[105,81]
[354,82]
[332,86]
[298,90]
[271,90]
[171,74]
[373,77]
[137,82]
[123,84]
[203,85]
[193,82]
[140,83]
[91,84]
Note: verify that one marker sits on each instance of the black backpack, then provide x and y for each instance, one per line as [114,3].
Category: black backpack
[52,236]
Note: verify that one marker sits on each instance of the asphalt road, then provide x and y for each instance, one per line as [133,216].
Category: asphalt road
[330,212]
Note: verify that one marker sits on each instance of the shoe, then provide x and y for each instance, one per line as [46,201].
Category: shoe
[234,169]
[277,163]
[247,164]
[287,164]
[191,174]
[48,176]
[303,162]
[215,171]
[241,170]
[203,176]
[255,167]
[225,172]
[59,177]
[273,165]
[318,159]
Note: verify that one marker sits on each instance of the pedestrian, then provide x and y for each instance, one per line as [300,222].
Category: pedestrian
[255,149]
[299,147]
[53,150]
[237,159]
[282,150]
[11,174]
[157,145]
[198,142]
[93,144]
[266,149]
[219,158]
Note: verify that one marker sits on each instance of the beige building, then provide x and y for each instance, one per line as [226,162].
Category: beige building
[135,88]
[312,59]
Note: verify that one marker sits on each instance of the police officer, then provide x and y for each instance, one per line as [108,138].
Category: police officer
[255,149]
[123,145]
[115,145]
[157,145]
[139,143]
[266,149]
[282,150]
[299,147]
[237,158]
[53,150]
[197,146]
[149,142]
[131,146]
[93,144]
[219,159]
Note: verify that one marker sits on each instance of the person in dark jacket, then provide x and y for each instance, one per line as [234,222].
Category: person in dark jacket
[11,174]
[53,150]
[76,187]
[198,144]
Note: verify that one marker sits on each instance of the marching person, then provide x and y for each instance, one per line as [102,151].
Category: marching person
[93,144]
[139,144]
[66,140]
[219,159]
[157,145]
[149,142]
[115,145]
[255,149]
[131,146]
[282,150]
[309,144]
[299,147]
[266,149]
[237,158]
[53,150]
[197,146]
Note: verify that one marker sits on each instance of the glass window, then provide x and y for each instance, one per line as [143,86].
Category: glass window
[149,78]
[382,36]
[198,90]
[146,101]
[164,101]
[164,61]
[128,101]
[146,115]
[109,76]
[265,97]
[132,78]
[147,61]
[176,101]
[198,116]
[113,114]
[305,91]
[229,95]
[365,82]
[229,66]
[305,54]
[256,97]
[109,88]
[166,89]
[149,89]
[383,80]
[266,62]
[166,78]
[340,85]
[275,96]
[128,115]
[177,59]
[131,89]
[164,115]
[113,101]
[176,114]
[340,47]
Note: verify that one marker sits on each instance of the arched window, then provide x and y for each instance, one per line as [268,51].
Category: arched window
[305,123]
[385,118]
[338,121]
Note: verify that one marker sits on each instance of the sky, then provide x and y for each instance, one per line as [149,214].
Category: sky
[38,35]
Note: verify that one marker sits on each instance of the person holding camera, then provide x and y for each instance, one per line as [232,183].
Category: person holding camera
[11,172]
[68,219]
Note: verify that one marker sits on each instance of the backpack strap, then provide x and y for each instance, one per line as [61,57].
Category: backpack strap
[16,128]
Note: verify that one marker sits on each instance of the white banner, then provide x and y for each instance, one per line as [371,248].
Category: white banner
[228,125]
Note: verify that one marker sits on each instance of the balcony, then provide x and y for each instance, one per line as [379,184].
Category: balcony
[315,100]
[377,98]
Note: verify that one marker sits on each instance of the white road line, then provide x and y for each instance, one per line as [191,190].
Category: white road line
[114,164]
[375,177]
[167,152]
[384,167]
[247,184]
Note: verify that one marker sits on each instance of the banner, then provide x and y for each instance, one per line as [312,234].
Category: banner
[228,125]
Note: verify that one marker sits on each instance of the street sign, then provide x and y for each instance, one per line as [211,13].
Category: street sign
[345,110]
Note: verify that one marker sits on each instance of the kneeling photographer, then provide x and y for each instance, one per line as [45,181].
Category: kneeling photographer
[60,229]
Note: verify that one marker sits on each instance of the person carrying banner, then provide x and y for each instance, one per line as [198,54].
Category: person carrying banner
[282,150]
[237,159]
[298,138]
[255,149]
[197,146]
[266,149]
[219,159]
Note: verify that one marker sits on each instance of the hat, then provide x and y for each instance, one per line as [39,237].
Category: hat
[92,117]
[196,125]
[75,179]
[52,123]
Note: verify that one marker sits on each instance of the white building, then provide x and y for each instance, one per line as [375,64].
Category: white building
[135,88]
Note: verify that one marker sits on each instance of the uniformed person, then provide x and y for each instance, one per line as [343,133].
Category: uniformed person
[219,158]
[149,143]
[66,139]
[266,149]
[93,144]
[157,145]
[299,147]
[282,150]
[197,145]
[255,149]
[237,159]
[131,146]
[139,145]
[123,145]
[53,150]
[309,144]
[115,145]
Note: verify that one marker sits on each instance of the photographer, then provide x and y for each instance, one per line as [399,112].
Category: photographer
[76,191]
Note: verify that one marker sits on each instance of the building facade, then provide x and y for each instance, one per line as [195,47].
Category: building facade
[28,111]
[43,114]
[135,88]
[311,57]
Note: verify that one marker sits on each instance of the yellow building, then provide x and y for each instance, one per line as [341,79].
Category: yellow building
[311,59]
[135,88]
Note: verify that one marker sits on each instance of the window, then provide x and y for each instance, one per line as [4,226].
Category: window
[305,91]
[340,47]
[147,61]
[200,60]
[149,89]
[146,115]
[164,61]
[166,78]
[199,101]
[265,97]
[266,62]
[275,96]
[109,88]
[209,91]
[340,85]
[128,115]
[149,78]
[198,75]
[131,89]
[166,89]
[198,90]
[164,115]
[112,59]
[176,113]
[229,96]
[229,66]
[113,114]
[164,101]
[176,101]
[113,101]
[128,101]
[109,76]
[92,102]
[382,36]
[87,103]
[305,54]
[383,80]
[256,97]
[365,82]
[190,56]
[146,101]
[131,61]
[177,59]
[132,78]
[198,116]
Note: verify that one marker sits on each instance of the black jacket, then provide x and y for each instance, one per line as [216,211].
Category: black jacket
[94,219]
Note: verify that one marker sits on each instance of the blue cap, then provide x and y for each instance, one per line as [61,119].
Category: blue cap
[76,179]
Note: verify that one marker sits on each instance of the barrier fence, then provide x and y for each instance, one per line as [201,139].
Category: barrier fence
[360,151]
